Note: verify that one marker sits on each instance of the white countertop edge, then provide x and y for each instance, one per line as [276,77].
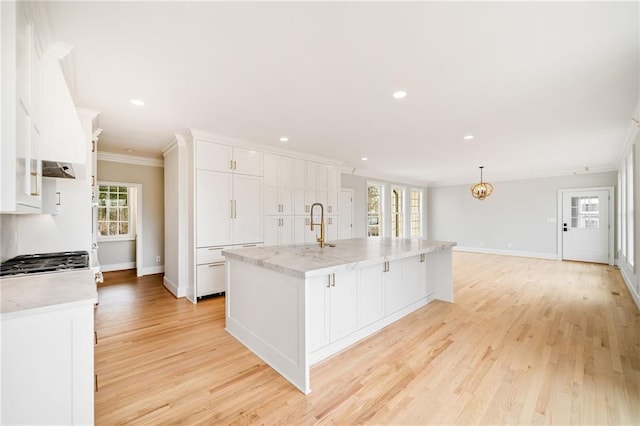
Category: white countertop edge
[297,273]
[91,301]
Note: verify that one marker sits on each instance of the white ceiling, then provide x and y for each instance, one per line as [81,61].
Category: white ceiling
[546,88]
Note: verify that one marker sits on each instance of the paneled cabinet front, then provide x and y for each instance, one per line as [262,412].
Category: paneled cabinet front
[333,305]
[228,209]
[226,158]
[278,182]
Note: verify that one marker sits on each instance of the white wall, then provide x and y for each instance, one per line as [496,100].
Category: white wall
[70,230]
[8,236]
[152,180]
[516,218]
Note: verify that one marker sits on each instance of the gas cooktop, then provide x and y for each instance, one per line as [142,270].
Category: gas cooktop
[45,262]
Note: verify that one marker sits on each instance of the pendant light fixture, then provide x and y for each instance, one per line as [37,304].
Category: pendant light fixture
[481,190]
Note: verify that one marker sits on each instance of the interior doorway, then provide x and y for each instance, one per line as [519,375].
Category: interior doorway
[585,231]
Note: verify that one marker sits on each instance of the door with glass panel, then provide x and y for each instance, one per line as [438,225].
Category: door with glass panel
[585,225]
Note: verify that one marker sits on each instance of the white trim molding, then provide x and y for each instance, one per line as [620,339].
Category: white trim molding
[536,255]
[130,159]
[118,266]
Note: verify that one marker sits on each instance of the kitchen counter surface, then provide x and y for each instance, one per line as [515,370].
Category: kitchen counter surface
[310,260]
[28,294]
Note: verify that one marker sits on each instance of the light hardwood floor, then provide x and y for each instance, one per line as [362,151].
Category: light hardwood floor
[527,341]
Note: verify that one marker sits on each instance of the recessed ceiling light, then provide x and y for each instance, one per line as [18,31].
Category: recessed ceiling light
[129,150]
[468,137]
[284,139]
[137,102]
[364,158]
[399,94]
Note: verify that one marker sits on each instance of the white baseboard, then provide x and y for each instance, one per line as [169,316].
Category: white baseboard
[173,288]
[549,256]
[629,280]
[149,270]
[117,266]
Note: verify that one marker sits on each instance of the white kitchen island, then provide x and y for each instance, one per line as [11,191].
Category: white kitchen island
[294,306]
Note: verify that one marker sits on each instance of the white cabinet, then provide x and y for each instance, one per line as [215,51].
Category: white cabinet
[278,182]
[333,307]
[302,230]
[51,196]
[226,158]
[228,209]
[214,208]
[392,285]
[210,271]
[370,294]
[413,279]
[21,109]
[330,228]
[47,367]
[278,230]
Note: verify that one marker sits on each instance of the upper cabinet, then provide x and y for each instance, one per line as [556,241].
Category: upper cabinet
[38,118]
[226,158]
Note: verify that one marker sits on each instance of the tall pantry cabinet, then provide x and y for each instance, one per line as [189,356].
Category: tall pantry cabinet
[213,202]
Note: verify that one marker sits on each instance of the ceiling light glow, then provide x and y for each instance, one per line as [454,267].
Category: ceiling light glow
[468,137]
[284,139]
[137,102]
[400,94]
[364,158]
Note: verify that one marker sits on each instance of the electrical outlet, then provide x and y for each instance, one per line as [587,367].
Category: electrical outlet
[158,259]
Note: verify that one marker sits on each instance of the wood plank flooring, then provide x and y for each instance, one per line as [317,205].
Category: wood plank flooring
[527,341]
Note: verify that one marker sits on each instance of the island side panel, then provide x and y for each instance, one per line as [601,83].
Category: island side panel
[265,312]
[444,275]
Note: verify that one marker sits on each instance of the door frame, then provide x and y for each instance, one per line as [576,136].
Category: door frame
[350,191]
[610,190]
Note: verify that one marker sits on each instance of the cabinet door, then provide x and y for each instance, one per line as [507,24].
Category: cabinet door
[414,287]
[393,298]
[271,170]
[286,231]
[51,197]
[213,208]
[271,200]
[331,228]
[299,201]
[312,175]
[333,179]
[332,202]
[271,231]
[322,177]
[343,304]
[247,210]
[247,162]
[302,230]
[310,197]
[299,174]
[370,295]
[317,312]
[210,279]
[213,156]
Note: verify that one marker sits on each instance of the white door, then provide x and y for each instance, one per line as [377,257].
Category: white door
[585,225]
[345,216]
[214,208]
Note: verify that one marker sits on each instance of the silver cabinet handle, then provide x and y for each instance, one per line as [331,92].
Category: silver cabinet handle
[329,281]
[333,280]
[59,198]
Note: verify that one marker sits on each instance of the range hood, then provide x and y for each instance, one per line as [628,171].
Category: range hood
[57,169]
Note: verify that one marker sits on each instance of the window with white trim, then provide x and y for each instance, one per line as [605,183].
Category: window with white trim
[374,210]
[397,200]
[114,213]
[416,213]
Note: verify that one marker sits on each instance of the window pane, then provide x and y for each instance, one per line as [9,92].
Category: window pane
[102,228]
[124,228]
[113,228]
[374,212]
[102,213]
[122,199]
[113,214]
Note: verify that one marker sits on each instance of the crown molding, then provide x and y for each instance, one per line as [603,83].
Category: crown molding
[371,174]
[130,159]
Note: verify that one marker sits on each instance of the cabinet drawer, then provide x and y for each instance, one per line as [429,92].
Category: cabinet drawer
[211,279]
[210,254]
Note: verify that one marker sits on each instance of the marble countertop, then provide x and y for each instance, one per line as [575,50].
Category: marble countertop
[310,260]
[27,294]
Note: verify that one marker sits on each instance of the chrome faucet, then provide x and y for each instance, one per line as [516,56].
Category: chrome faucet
[320,239]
